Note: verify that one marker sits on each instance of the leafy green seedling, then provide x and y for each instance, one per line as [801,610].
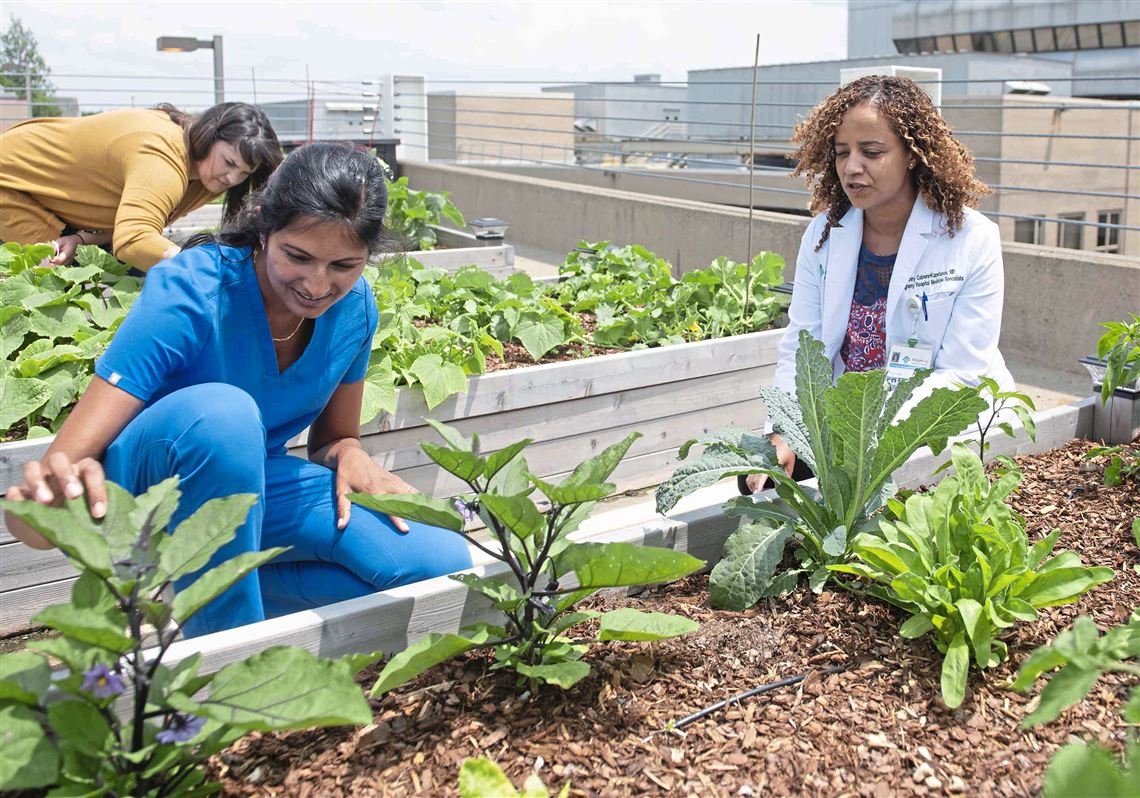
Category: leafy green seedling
[548,573]
[1080,656]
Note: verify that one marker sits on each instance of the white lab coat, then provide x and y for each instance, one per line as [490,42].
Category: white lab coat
[962,276]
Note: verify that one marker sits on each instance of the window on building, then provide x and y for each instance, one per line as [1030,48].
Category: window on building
[1111,34]
[904,46]
[1132,33]
[1044,40]
[1003,41]
[1023,40]
[983,42]
[945,44]
[1066,37]
[1088,37]
[1070,235]
[1108,238]
[962,42]
[1029,231]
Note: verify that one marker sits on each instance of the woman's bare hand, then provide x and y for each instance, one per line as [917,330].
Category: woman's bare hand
[784,456]
[52,481]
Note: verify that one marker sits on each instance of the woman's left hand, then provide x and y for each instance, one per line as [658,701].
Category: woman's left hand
[357,472]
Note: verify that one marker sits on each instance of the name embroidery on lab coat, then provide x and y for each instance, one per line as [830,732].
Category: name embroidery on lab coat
[928,279]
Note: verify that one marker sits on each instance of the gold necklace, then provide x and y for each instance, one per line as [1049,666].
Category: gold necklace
[290,335]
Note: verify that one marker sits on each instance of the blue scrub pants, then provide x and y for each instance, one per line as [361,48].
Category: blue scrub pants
[212,437]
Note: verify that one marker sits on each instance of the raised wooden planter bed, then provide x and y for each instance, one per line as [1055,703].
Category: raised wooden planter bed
[459,248]
[571,410]
[393,619]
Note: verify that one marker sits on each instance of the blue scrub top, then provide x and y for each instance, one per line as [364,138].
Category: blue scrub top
[201,318]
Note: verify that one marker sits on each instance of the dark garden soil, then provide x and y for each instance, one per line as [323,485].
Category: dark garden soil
[877,728]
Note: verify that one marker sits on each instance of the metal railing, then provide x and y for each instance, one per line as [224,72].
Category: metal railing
[1046,157]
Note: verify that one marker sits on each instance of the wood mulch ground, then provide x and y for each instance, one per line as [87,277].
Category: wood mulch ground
[878,728]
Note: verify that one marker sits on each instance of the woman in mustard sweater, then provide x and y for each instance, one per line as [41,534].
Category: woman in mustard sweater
[123,176]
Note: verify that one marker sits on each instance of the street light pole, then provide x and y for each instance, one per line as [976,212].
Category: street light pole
[219,72]
[186,44]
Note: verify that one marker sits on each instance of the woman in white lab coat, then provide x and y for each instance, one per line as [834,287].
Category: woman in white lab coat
[897,262]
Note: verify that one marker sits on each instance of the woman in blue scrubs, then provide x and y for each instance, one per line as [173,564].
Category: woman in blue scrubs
[233,347]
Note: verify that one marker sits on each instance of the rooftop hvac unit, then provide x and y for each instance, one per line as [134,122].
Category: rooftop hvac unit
[928,78]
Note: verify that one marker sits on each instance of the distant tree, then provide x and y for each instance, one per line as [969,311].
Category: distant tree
[21,66]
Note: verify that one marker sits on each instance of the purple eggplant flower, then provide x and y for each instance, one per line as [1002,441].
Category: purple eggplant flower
[181,728]
[102,682]
[467,511]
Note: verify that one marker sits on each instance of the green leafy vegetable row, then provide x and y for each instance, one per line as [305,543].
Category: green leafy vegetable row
[54,323]
[436,328]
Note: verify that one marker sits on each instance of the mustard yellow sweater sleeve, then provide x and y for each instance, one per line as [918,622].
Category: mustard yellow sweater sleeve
[154,175]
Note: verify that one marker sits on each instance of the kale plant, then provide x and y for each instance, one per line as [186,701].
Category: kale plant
[1080,656]
[959,561]
[54,323]
[848,434]
[110,719]
[549,573]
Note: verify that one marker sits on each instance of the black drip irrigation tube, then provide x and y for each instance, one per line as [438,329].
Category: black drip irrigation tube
[764,688]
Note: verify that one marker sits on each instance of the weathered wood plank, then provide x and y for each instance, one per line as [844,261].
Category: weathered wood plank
[18,606]
[659,409]
[560,382]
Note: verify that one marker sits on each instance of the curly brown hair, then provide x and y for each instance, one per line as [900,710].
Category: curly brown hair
[944,171]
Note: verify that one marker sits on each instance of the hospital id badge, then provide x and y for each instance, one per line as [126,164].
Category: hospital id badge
[905,358]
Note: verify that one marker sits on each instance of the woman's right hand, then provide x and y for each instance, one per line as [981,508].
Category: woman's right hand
[784,456]
[52,481]
[65,247]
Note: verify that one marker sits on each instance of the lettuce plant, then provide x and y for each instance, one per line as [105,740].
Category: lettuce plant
[54,323]
[110,718]
[549,573]
[850,437]
[1080,655]
[959,561]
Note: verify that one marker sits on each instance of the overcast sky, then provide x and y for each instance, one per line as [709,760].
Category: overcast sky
[91,45]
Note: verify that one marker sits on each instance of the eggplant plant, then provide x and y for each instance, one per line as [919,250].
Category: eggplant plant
[548,573]
[95,711]
[959,561]
[850,436]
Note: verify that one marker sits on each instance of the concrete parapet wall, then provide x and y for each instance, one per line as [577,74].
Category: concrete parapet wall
[1055,299]
[554,215]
